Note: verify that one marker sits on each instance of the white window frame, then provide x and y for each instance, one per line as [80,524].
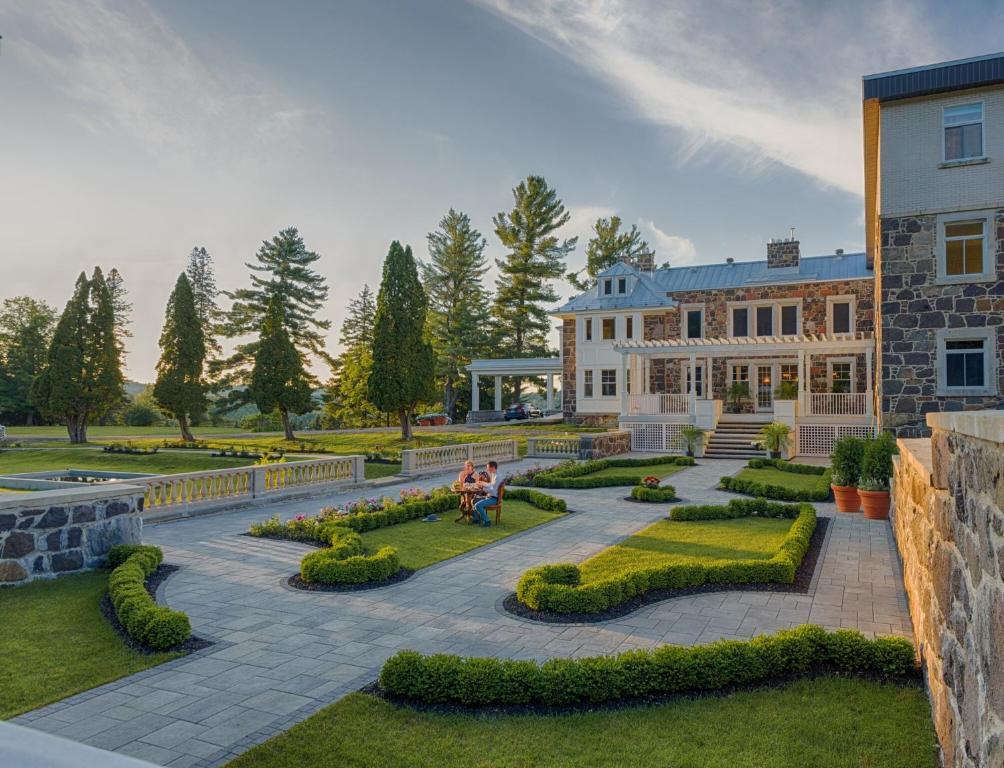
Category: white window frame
[854,372]
[622,281]
[608,287]
[983,133]
[616,388]
[592,384]
[684,372]
[603,322]
[754,320]
[798,316]
[685,309]
[850,299]
[629,327]
[989,273]
[732,306]
[989,337]
[587,330]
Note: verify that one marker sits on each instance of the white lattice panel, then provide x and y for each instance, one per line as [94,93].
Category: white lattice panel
[855,430]
[818,439]
[660,438]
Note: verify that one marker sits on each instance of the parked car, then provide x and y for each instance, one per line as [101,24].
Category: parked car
[516,411]
[534,411]
[433,420]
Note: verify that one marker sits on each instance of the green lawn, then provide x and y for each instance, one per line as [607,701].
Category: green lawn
[165,462]
[837,723]
[421,544]
[377,470]
[667,541]
[54,642]
[120,431]
[792,480]
[659,470]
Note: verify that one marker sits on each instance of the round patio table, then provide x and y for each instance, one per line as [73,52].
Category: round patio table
[467,496]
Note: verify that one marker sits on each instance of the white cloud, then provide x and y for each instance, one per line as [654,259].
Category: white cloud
[760,83]
[678,251]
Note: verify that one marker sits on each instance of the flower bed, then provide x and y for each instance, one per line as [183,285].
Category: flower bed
[754,486]
[647,493]
[559,589]
[575,474]
[129,449]
[152,625]
[671,669]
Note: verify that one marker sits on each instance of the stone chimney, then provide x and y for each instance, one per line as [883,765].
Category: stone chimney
[783,253]
[645,262]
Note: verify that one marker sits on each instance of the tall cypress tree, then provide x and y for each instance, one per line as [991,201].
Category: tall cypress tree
[279,380]
[82,379]
[180,389]
[202,278]
[458,302]
[606,247]
[403,362]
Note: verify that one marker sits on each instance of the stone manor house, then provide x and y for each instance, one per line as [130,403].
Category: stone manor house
[837,344]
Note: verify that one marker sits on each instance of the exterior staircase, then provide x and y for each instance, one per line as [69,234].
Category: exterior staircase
[732,440]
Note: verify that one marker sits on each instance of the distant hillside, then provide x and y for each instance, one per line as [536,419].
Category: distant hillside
[133,388]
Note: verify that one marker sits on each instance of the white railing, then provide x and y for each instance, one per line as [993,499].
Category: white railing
[552,447]
[224,487]
[651,405]
[838,403]
[418,460]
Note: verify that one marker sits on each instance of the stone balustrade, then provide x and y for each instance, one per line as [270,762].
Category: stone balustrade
[416,461]
[552,447]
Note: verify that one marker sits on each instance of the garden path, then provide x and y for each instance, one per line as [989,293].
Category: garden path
[282,654]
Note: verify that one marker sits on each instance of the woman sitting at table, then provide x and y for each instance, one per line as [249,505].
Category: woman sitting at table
[467,474]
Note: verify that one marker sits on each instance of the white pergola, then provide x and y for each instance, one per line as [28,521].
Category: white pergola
[705,349]
[548,367]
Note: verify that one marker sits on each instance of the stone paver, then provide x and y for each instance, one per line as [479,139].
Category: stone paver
[282,654]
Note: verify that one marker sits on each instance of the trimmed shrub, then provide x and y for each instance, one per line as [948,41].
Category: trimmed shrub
[772,491]
[576,474]
[661,493]
[536,499]
[155,626]
[670,669]
[787,466]
[558,588]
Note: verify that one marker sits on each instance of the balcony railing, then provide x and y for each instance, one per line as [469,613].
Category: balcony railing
[651,405]
[838,403]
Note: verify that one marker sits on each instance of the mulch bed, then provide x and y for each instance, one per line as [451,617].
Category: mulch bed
[297,583]
[803,578]
[153,581]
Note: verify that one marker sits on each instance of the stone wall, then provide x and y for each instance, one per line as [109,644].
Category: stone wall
[603,444]
[782,253]
[45,533]
[949,527]
[913,307]
[568,387]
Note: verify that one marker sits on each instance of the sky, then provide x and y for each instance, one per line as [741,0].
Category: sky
[133,130]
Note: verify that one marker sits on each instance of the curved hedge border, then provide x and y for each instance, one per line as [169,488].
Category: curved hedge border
[772,491]
[558,588]
[671,669]
[787,466]
[576,474]
[155,626]
[662,493]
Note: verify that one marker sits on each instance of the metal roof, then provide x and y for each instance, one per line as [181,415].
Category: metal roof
[935,78]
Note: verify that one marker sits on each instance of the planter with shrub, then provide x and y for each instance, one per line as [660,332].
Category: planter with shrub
[775,439]
[846,468]
[654,494]
[693,440]
[876,471]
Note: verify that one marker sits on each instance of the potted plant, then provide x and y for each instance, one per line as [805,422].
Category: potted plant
[774,437]
[786,390]
[876,471]
[736,396]
[693,439]
[846,461]
[651,481]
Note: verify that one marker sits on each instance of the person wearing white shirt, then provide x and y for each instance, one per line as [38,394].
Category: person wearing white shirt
[491,490]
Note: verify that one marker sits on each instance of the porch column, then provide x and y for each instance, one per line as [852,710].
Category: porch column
[801,383]
[646,375]
[708,395]
[498,393]
[869,405]
[692,391]
[550,392]
[475,393]
[623,385]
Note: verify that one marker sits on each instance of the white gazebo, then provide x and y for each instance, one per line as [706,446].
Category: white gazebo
[548,367]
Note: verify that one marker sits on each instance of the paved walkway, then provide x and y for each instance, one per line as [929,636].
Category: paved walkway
[283,654]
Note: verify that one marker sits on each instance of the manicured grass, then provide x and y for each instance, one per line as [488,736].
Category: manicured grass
[421,544]
[792,480]
[376,470]
[667,541]
[54,642]
[832,722]
[15,490]
[96,432]
[165,462]
[659,470]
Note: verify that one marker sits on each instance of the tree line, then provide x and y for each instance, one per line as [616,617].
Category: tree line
[405,347]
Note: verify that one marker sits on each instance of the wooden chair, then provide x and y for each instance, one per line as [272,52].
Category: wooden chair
[498,506]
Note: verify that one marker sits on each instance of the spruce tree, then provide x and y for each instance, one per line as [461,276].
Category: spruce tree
[202,278]
[121,306]
[26,326]
[180,390]
[345,403]
[279,380]
[357,328]
[608,246]
[458,302]
[403,363]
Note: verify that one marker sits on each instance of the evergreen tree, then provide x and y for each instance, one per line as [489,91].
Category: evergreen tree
[279,380]
[458,302]
[121,306]
[357,328]
[345,403]
[403,362]
[180,390]
[202,278]
[535,258]
[25,333]
[608,246]
[82,378]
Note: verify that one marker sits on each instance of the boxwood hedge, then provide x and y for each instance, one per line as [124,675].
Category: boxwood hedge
[662,493]
[787,466]
[558,588]
[576,474]
[670,669]
[146,622]
[781,492]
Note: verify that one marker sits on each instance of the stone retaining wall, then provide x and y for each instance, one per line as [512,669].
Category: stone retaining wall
[45,533]
[949,526]
[603,444]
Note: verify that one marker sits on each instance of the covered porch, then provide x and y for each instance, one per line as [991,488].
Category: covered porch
[526,367]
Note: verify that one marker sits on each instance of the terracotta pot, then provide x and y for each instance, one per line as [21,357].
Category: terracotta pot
[847,498]
[875,504]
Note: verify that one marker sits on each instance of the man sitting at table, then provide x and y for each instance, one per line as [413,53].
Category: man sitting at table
[491,491]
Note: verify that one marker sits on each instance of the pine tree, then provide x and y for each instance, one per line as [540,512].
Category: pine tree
[202,278]
[607,247]
[357,328]
[536,257]
[121,306]
[279,380]
[458,302]
[180,390]
[403,362]
[345,403]
[26,326]
[82,378]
